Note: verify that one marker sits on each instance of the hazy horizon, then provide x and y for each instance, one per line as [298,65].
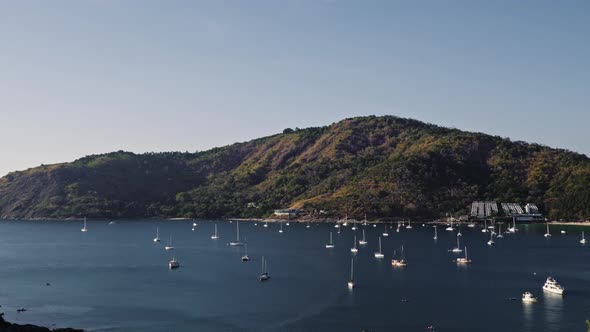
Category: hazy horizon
[81,78]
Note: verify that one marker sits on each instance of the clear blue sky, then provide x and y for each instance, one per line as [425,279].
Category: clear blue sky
[86,77]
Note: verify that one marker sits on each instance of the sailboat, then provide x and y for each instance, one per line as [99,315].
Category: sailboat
[330,245]
[409,224]
[583,240]
[458,248]
[354,249]
[308,225]
[281,229]
[173,264]
[264,276]
[194,223]
[435,233]
[351,281]
[500,236]
[237,241]
[84,229]
[398,227]
[491,241]
[379,254]
[464,260]
[548,234]
[157,238]
[363,241]
[245,258]
[459,233]
[169,245]
[265,224]
[513,229]
[400,262]
[450,228]
[385,232]
[215,236]
[485,226]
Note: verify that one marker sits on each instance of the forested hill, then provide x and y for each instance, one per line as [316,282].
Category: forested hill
[384,166]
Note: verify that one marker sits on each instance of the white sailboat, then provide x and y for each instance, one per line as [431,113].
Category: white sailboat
[84,229]
[264,276]
[385,232]
[215,236]
[400,262]
[379,254]
[583,240]
[513,229]
[450,228]
[548,234]
[308,225]
[237,241]
[463,260]
[194,223]
[245,258]
[169,245]
[281,228]
[265,224]
[363,241]
[435,233]
[351,281]
[409,224]
[485,226]
[491,241]
[500,236]
[330,245]
[398,227]
[157,238]
[354,249]
[458,248]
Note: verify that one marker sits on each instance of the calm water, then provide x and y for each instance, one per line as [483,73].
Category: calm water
[115,278]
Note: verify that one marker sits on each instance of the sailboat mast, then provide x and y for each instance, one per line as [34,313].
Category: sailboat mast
[351,269]
[380,244]
[238,231]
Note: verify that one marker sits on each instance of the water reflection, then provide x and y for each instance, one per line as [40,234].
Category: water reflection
[553,311]
[527,314]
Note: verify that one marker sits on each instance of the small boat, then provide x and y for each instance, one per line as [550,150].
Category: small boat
[374,225]
[491,241]
[265,224]
[385,232]
[552,286]
[255,224]
[458,248]
[435,233]
[169,245]
[264,276]
[245,258]
[527,297]
[237,241]
[21,310]
[471,225]
[308,225]
[173,264]
[463,260]
[194,224]
[450,228]
[399,262]
[500,236]
[409,225]
[193,229]
[398,227]
[84,229]
[215,236]
[330,244]
[111,223]
[363,241]
[351,284]
[583,240]
[336,226]
[354,249]
[157,238]
[513,229]
[281,229]
[562,231]
[485,226]
[548,234]
[379,254]
[459,233]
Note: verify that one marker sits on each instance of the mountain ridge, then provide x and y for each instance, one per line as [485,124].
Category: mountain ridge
[383,166]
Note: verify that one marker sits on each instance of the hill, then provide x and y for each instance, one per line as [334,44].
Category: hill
[384,166]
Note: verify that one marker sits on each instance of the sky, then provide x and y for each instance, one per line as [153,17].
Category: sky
[85,77]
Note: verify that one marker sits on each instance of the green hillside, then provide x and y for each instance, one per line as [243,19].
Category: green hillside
[384,166]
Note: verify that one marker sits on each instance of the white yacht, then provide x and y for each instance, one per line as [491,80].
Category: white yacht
[169,244]
[435,232]
[552,286]
[264,276]
[330,244]
[527,297]
[351,281]
[173,264]
[215,236]
[354,248]
[385,232]
[583,240]
[458,248]
[463,260]
[491,241]
[245,258]
[157,238]
[237,241]
[401,262]
[363,241]
[379,254]
[548,234]
[84,229]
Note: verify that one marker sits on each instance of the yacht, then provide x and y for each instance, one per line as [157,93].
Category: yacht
[363,241]
[84,229]
[464,260]
[245,258]
[264,276]
[379,254]
[351,281]
[237,241]
[527,297]
[583,240]
[330,244]
[354,249]
[157,238]
[552,286]
[548,234]
[435,233]
[173,264]
[215,236]
[491,241]
[400,262]
[458,248]
[169,245]
[385,232]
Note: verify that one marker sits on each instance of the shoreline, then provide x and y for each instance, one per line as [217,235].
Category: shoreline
[13,327]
